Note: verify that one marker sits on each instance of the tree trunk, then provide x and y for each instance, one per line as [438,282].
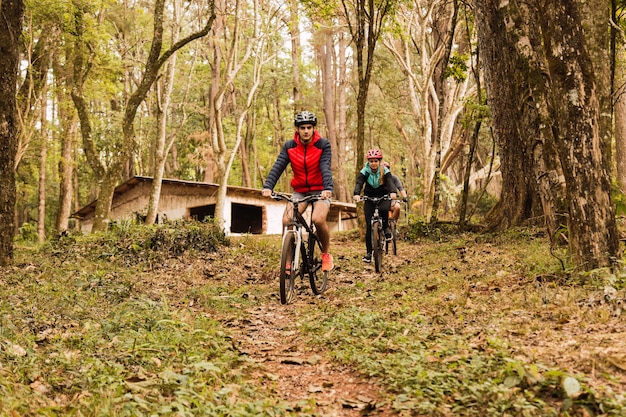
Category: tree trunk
[162,145]
[575,110]
[443,65]
[595,15]
[68,125]
[43,162]
[294,30]
[10,31]
[326,55]
[343,191]
[514,85]
[620,117]
[66,164]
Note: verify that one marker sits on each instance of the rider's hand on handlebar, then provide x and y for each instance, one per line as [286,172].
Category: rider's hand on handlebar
[326,194]
[266,192]
[393,196]
[356,198]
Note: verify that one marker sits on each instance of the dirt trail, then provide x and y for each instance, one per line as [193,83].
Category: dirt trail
[270,336]
[297,373]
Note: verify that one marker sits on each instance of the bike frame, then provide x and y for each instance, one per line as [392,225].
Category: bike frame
[298,222]
[303,257]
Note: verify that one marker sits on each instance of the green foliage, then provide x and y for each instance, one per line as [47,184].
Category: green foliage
[27,233]
[423,332]
[418,228]
[619,200]
[436,378]
[131,243]
[457,327]
[480,203]
[457,67]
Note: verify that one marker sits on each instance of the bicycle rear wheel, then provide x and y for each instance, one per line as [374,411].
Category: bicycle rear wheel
[288,269]
[317,277]
[377,244]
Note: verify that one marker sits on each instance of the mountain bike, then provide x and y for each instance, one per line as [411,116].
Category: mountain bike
[379,241]
[300,255]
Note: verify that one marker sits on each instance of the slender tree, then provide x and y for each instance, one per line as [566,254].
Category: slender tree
[365,19]
[443,75]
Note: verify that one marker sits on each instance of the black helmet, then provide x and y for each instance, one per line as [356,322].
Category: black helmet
[305,118]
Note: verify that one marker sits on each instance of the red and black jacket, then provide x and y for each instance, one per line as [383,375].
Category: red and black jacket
[310,164]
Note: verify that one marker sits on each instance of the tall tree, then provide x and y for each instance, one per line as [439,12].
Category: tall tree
[67,132]
[424,34]
[164,140]
[12,12]
[619,91]
[365,19]
[509,39]
[43,163]
[443,75]
[578,135]
[248,45]
[547,109]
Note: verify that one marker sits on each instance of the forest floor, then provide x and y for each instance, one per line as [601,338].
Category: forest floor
[461,325]
[546,318]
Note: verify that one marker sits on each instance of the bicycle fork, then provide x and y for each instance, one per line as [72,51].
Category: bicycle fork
[298,242]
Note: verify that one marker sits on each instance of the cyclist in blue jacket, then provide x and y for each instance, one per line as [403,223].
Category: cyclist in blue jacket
[378,182]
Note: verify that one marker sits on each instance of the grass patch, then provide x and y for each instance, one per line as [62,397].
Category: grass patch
[84,331]
[471,326]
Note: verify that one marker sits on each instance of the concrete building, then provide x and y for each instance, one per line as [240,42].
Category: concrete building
[246,211]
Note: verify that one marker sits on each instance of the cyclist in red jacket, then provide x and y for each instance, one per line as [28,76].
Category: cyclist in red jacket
[309,155]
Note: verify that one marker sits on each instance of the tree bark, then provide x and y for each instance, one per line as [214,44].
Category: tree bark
[619,112]
[575,109]
[12,12]
[443,65]
[68,129]
[43,162]
[516,95]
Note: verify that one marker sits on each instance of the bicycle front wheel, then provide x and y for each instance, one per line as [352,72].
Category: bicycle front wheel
[394,236]
[377,244]
[288,269]
[317,277]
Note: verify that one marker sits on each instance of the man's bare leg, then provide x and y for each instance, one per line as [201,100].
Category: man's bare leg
[320,212]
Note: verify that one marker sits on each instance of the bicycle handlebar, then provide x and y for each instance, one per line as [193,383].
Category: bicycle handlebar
[376,199]
[306,199]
